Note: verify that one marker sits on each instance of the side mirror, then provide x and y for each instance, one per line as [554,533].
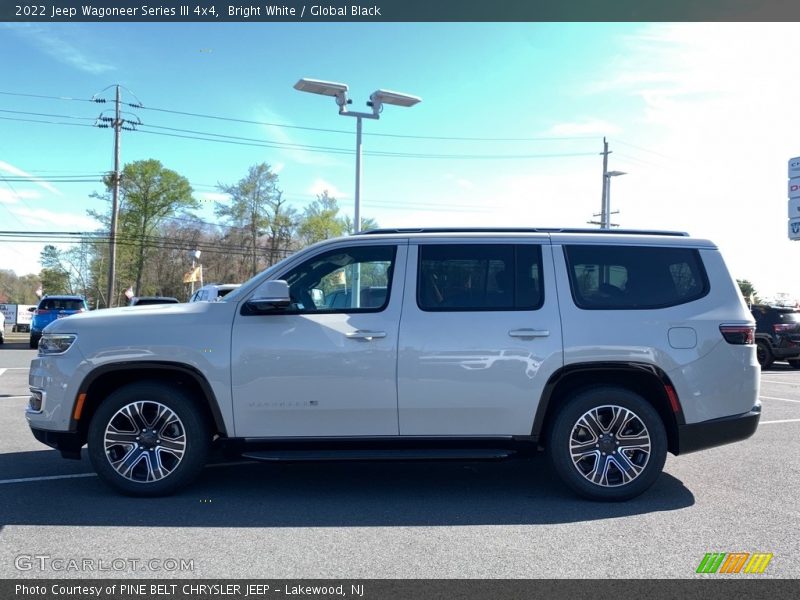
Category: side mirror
[269,296]
[31,309]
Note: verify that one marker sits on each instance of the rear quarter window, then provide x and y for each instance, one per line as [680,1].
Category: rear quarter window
[634,277]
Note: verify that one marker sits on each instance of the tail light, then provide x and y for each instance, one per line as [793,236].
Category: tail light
[739,334]
[41,311]
[784,327]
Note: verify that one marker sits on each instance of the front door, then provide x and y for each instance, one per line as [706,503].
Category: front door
[327,366]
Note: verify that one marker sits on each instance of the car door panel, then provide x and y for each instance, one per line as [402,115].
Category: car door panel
[330,374]
[475,372]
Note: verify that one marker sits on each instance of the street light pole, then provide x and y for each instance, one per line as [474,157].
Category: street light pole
[376,101]
[357,209]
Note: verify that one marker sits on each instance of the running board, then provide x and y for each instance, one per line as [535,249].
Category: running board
[387,454]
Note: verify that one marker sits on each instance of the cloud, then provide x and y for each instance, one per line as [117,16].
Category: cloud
[12,170]
[9,196]
[56,45]
[584,127]
[320,185]
[722,98]
[41,216]
[295,152]
[461,182]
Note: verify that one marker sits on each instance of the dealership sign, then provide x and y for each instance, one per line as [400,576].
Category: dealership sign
[794,198]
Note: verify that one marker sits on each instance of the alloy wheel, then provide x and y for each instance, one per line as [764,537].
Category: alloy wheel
[144,441]
[610,445]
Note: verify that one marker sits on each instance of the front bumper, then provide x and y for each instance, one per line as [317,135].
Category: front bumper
[69,443]
[716,432]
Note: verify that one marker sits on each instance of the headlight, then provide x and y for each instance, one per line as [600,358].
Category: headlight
[56,343]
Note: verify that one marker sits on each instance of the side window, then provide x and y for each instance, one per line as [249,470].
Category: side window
[356,279]
[630,277]
[453,277]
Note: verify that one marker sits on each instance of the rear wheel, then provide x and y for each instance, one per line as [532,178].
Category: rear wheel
[148,439]
[608,444]
[794,363]
[764,354]
[35,341]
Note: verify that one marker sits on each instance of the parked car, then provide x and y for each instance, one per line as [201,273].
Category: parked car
[777,334]
[2,327]
[486,344]
[51,308]
[213,292]
[142,300]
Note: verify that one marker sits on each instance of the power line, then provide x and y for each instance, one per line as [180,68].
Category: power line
[45,122]
[383,153]
[321,129]
[43,96]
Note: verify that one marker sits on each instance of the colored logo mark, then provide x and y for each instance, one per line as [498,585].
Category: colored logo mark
[734,562]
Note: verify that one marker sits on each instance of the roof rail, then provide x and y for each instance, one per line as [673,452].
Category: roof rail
[522,230]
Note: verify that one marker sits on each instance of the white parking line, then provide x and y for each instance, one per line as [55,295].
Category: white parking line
[783,421]
[779,382]
[784,399]
[47,478]
[78,475]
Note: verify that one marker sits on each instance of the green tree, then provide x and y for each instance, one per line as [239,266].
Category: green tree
[320,220]
[55,277]
[256,207]
[748,291]
[367,223]
[149,195]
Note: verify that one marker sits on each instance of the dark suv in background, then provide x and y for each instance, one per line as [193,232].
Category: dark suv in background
[777,334]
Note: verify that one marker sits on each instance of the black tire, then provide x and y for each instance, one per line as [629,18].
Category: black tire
[35,341]
[167,457]
[764,354]
[639,422]
[794,363]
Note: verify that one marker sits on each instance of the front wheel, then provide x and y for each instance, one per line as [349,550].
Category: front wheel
[608,443]
[148,439]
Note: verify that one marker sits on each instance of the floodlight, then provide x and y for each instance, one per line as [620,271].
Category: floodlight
[376,102]
[396,98]
[615,173]
[317,86]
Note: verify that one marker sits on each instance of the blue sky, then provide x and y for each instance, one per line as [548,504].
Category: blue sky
[701,117]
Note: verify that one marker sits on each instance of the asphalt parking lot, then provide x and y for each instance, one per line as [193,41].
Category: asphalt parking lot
[399,520]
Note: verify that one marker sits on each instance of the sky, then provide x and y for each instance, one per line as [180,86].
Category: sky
[702,118]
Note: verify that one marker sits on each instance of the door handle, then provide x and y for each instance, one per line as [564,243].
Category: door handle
[529,333]
[361,334]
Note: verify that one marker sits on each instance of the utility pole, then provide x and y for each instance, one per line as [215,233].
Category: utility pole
[118,123]
[605,218]
[112,246]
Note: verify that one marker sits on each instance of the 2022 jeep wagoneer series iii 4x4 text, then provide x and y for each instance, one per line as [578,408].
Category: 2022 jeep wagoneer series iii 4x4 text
[606,349]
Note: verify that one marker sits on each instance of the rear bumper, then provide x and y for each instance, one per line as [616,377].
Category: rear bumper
[716,432]
[69,443]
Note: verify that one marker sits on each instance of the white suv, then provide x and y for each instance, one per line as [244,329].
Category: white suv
[607,349]
[213,292]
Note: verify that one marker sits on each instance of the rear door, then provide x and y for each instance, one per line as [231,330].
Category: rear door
[479,337]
